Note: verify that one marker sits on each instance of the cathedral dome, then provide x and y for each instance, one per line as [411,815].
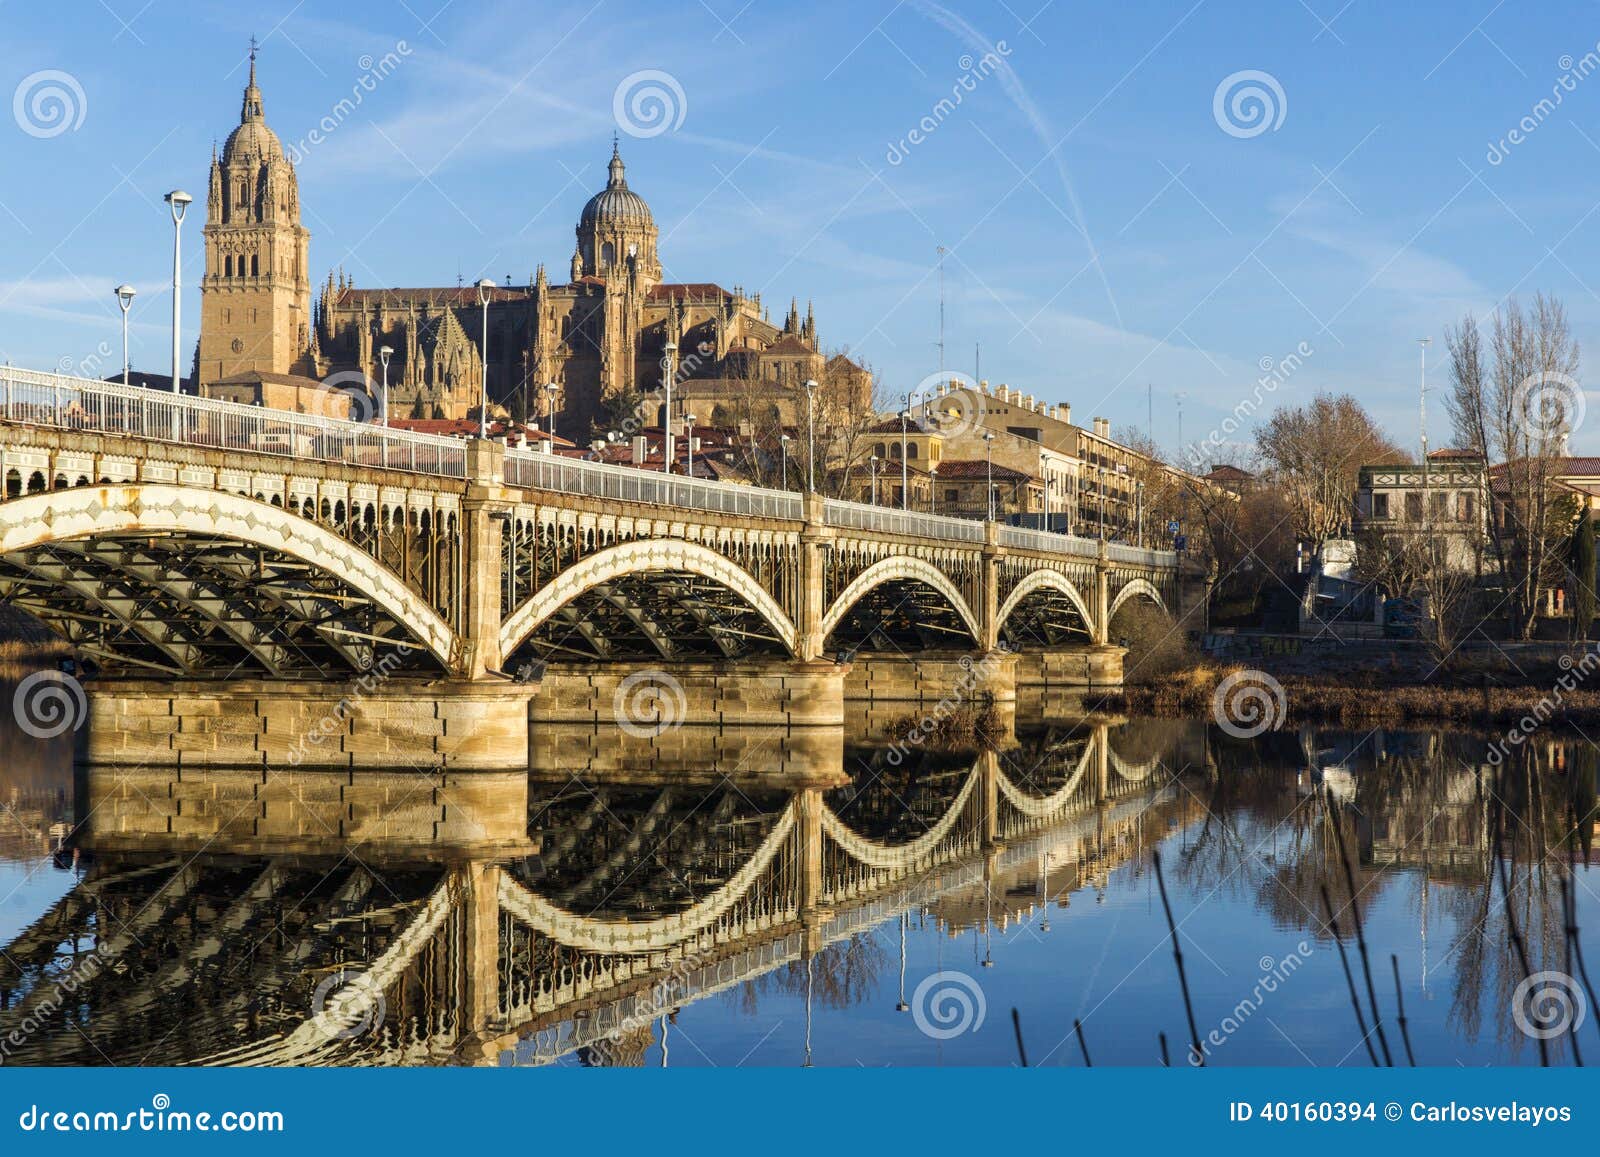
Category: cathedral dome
[252,139]
[616,203]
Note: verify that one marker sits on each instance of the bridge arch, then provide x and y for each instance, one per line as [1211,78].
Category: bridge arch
[644,556]
[900,568]
[1045,580]
[99,515]
[1133,588]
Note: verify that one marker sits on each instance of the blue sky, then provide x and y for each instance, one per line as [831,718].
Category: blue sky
[1105,231]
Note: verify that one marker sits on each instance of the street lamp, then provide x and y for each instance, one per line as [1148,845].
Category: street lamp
[933,493]
[988,457]
[1139,522]
[485,289]
[905,487]
[550,389]
[178,201]
[384,354]
[688,436]
[811,435]
[671,349]
[874,478]
[783,447]
[125,295]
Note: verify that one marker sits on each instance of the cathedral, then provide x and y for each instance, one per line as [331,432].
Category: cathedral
[602,338]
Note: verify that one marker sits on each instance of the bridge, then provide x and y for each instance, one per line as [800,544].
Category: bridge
[462,934]
[198,542]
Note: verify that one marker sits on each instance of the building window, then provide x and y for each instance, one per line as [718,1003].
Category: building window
[227,266]
[255,268]
[1413,507]
[1380,506]
[1464,506]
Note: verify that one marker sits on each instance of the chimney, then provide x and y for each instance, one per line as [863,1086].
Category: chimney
[984,385]
[1064,412]
[641,449]
[1028,401]
[1102,427]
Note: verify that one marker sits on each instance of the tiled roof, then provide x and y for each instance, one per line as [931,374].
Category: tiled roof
[978,468]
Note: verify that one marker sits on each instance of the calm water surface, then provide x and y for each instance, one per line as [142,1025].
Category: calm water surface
[715,897]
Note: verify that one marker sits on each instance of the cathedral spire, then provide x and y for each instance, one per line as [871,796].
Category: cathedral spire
[616,168]
[252,95]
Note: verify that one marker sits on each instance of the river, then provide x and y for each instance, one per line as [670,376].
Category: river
[725,896]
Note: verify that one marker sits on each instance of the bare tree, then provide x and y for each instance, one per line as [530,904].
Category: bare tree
[1315,453]
[1519,409]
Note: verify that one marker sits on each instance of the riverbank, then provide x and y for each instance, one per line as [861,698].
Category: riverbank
[1489,694]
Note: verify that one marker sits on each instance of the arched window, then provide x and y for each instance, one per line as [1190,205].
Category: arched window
[911,450]
[608,253]
[255,268]
[227,266]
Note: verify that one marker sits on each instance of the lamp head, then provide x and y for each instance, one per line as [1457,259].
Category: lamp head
[551,388]
[385,353]
[179,201]
[125,295]
[484,287]
[811,384]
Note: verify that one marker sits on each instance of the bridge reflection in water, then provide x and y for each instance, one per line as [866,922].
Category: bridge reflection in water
[227,917]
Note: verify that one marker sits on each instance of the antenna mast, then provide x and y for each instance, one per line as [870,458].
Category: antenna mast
[941,306]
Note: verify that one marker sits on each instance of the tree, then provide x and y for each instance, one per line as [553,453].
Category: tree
[1519,408]
[1581,579]
[1314,453]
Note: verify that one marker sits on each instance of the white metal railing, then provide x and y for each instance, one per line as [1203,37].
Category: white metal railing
[56,400]
[1028,538]
[1121,552]
[887,520]
[539,471]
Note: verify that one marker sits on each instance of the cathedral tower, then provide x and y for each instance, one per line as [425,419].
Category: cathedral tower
[255,296]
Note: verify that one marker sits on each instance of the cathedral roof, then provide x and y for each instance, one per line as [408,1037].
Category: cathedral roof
[689,290]
[252,140]
[616,202]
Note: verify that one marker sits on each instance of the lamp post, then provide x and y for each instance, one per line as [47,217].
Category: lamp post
[905,485]
[783,448]
[1139,523]
[874,478]
[125,295]
[384,354]
[671,368]
[933,491]
[988,458]
[811,435]
[688,440]
[485,290]
[1100,488]
[178,202]
[550,389]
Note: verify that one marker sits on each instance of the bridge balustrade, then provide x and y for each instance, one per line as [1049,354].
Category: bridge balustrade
[67,403]
[887,520]
[540,471]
